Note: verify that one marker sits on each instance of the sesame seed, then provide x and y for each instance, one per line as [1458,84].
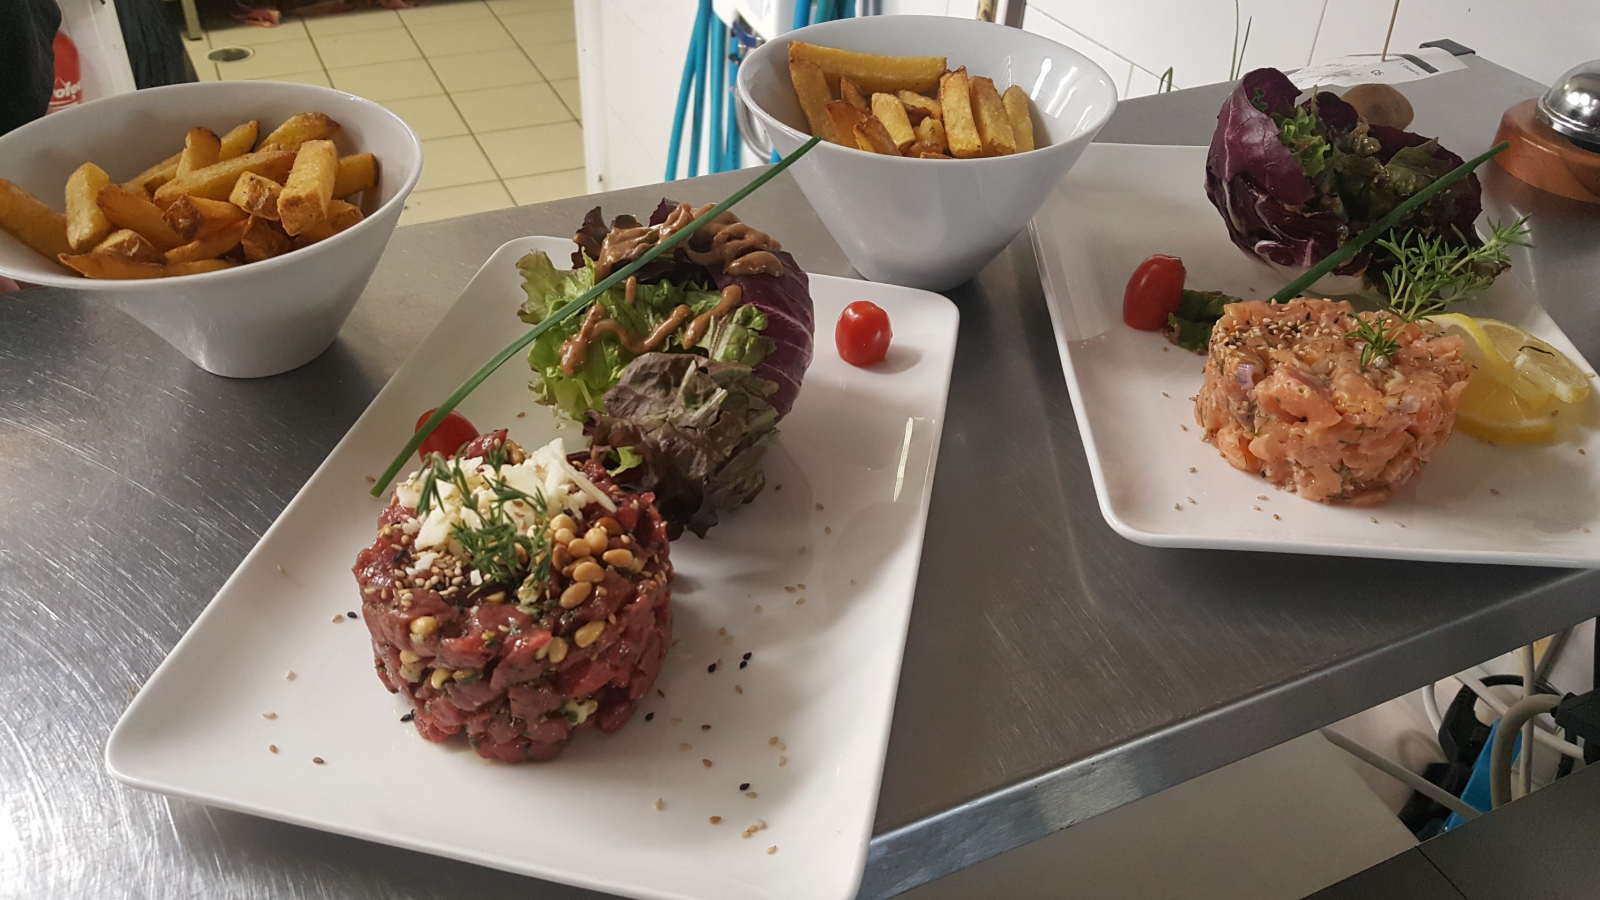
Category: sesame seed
[282,571]
[1178,507]
[649,715]
[800,602]
[677,721]
[706,762]
[337,618]
[819,507]
[783,761]
[747,656]
[410,714]
[269,715]
[1261,497]
[684,747]
[1193,470]
[828,529]
[738,688]
[1494,492]
[660,693]
[1372,520]
[350,615]
[711,668]
[371,480]
[789,588]
[289,676]
[716,820]
[750,794]
[522,415]
[1190,499]
[705,727]
[773,849]
[317,760]
[772,742]
[758,609]
[1255,507]
[273,748]
[1167,395]
[745,786]
[660,803]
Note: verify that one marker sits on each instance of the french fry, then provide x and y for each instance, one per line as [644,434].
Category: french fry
[812,90]
[845,118]
[892,113]
[994,126]
[201,148]
[257,196]
[303,202]
[357,172]
[919,107]
[872,137]
[926,150]
[25,218]
[931,131]
[870,72]
[127,209]
[199,267]
[131,244]
[1020,112]
[961,132]
[240,140]
[310,126]
[263,240]
[86,224]
[193,217]
[157,175]
[111,266]
[931,154]
[215,182]
[209,245]
[849,93]
[341,215]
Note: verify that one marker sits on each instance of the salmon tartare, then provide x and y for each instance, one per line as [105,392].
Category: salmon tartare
[1286,397]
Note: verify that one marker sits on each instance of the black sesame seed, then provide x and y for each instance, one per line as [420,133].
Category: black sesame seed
[409,716]
[349,615]
[649,715]
[745,786]
[747,656]
[744,663]
[711,668]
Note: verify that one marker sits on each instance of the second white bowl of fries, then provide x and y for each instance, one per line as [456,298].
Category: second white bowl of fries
[240,221]
[942,136]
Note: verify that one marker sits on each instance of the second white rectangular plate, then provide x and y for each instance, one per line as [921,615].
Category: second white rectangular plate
[814,579]
[1159,484]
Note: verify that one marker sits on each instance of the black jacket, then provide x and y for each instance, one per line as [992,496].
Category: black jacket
[27,59]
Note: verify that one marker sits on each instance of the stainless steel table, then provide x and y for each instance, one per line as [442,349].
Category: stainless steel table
[1054,670]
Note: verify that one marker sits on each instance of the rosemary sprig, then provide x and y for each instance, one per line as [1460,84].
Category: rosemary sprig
[1379,340]
[1429,274]
[573,308]
[1381,227]
[491,545]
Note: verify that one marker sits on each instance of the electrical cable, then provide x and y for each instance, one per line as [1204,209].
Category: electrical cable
[1558,643]
[716,82]
[1520,714]
[1430,706]
[1540,735]
[691,69]
[1525,764]
[1402,774]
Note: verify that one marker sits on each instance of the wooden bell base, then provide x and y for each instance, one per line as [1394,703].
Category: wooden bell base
[1544,158]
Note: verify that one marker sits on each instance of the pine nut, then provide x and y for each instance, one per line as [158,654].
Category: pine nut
[588,571]
[598,539]
[575,594]
[612,526]
[423,626]
[406,656]
[563,522]
[621,558]
[463,674]
[440,676]
[558,649]
[589,633]
[564,535]
[579,548]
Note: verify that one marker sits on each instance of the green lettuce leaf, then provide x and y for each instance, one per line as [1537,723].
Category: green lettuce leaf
[700,428]
[549,288]
[1190,326]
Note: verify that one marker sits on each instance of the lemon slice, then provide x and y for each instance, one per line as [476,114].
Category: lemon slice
[1487,360]
[1537,361]
[1491,411]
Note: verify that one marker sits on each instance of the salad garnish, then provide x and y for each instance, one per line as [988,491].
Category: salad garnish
[573,308]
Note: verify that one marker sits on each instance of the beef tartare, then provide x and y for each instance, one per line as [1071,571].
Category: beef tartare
[1286,397]
[518,597]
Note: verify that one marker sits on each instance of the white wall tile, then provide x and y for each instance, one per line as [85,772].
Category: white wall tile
[1194,37]
[1538,38]
[1041,24]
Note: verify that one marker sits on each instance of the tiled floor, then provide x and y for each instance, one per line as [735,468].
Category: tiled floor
[491,87]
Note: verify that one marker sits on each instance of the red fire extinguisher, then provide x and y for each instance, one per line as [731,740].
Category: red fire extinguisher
[69,79]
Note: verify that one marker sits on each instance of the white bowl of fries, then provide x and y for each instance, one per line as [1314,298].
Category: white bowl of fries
[240,220]
[924,175]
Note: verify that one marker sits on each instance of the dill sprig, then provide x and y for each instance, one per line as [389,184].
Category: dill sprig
[491,546]
[1431,273]
[1428,275]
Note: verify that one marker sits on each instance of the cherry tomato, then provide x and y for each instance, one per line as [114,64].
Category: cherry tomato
[863,333]
[454,431]
[1154,292]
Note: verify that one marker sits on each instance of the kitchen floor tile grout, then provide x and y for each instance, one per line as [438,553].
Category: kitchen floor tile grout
[499,179]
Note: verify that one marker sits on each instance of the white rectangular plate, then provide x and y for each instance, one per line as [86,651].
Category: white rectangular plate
[843,514]
[1131,392]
